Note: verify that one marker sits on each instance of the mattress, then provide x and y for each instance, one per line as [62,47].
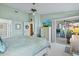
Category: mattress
[24,46]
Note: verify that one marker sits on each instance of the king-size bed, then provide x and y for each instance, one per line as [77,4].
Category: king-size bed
[25,46]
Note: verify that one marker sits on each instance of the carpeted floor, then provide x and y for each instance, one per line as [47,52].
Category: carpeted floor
[57,50]
[61,40]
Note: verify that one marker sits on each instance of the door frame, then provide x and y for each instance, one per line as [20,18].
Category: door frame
[60,19]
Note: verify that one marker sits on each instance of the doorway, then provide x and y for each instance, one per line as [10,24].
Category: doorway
[61,32]
[64,28]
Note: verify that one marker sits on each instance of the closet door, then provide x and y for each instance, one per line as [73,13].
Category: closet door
[5,28]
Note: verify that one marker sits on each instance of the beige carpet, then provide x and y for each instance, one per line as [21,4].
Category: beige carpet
[57,50]
[61,40]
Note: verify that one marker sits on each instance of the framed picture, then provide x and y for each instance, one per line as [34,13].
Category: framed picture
[27,26]
[18,26]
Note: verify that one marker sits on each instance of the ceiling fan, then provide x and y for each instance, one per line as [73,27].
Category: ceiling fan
[33,9]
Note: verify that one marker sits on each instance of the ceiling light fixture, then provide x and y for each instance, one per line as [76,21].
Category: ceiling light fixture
[33,9]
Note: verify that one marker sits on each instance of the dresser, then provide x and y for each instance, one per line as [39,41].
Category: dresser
[46,33]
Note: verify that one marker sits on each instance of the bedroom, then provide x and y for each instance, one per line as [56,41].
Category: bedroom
[15,23]
[22,27]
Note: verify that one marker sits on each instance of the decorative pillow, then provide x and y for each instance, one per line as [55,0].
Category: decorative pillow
[2,46]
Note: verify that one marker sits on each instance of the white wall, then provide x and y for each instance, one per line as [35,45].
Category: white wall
[15,31]
[11,28]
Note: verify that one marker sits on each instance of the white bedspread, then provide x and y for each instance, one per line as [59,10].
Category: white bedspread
[24,46]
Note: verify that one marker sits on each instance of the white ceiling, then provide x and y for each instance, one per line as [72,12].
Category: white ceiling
[45,8]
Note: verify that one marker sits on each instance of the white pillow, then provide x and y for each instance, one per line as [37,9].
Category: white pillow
[2,47]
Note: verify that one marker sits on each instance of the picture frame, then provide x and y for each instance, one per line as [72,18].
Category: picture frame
[18,26]
[27,26]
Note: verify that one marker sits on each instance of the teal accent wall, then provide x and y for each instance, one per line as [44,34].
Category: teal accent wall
[15,31]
